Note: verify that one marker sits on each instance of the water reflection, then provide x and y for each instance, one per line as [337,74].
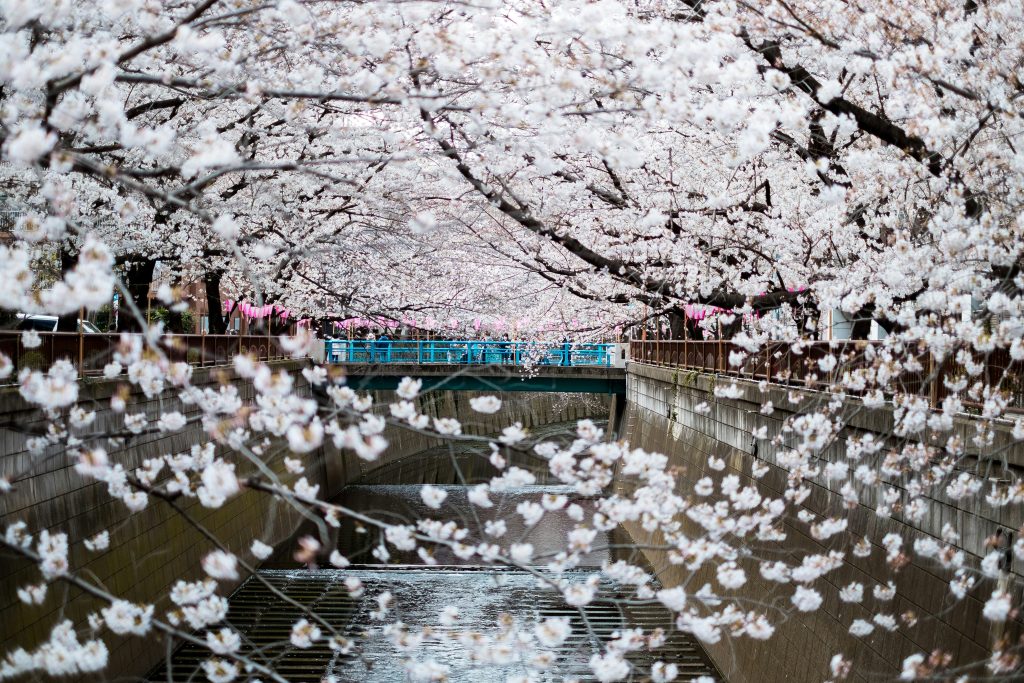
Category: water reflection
[494,603]
[398,502]
[403,505]
[468,463]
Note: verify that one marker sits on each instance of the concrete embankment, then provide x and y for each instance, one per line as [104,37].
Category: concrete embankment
[661,415]
[149,550]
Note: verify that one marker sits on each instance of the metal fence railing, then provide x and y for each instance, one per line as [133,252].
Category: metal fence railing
[467,352]
[780,363]
[91,352]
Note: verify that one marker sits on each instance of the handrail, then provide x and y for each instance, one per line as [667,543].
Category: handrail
[90,352]
[778,363]
[467,352]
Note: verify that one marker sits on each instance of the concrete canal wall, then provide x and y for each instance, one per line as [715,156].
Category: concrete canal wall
[149,550]
[661,416]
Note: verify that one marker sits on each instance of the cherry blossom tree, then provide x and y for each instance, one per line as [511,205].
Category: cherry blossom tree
[595,160]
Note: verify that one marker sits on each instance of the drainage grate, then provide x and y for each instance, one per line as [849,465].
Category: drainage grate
[480,593]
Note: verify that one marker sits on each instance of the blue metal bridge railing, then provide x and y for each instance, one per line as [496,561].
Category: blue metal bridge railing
[467,352]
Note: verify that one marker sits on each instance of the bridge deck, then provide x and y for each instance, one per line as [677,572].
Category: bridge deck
[470,352]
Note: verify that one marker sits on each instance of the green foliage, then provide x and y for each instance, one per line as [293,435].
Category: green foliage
[163,315]
[104,318]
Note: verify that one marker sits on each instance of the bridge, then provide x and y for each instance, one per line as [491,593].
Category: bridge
[473,352]
[473,365]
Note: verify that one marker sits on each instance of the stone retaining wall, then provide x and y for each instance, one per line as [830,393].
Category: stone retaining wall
[661,416]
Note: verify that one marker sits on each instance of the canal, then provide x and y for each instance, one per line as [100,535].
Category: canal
[490,612]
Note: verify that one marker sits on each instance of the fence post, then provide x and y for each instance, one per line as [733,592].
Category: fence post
[81,343]
[720,364]
[934,373]
[768,362]
[239,341]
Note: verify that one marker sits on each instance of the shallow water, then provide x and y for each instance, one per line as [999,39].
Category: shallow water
[488,601]
[402,504]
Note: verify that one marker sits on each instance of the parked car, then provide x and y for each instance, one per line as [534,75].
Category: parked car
[48,323]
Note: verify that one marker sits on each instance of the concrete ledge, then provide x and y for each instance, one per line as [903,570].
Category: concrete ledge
[856,416]
[542,378]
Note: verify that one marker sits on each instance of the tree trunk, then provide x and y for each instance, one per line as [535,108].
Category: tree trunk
[138,277]
[861,327]
[214,307]
[677,324]
[862,323]
[732,329]
[69,321]
[683,327]
[175,323]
